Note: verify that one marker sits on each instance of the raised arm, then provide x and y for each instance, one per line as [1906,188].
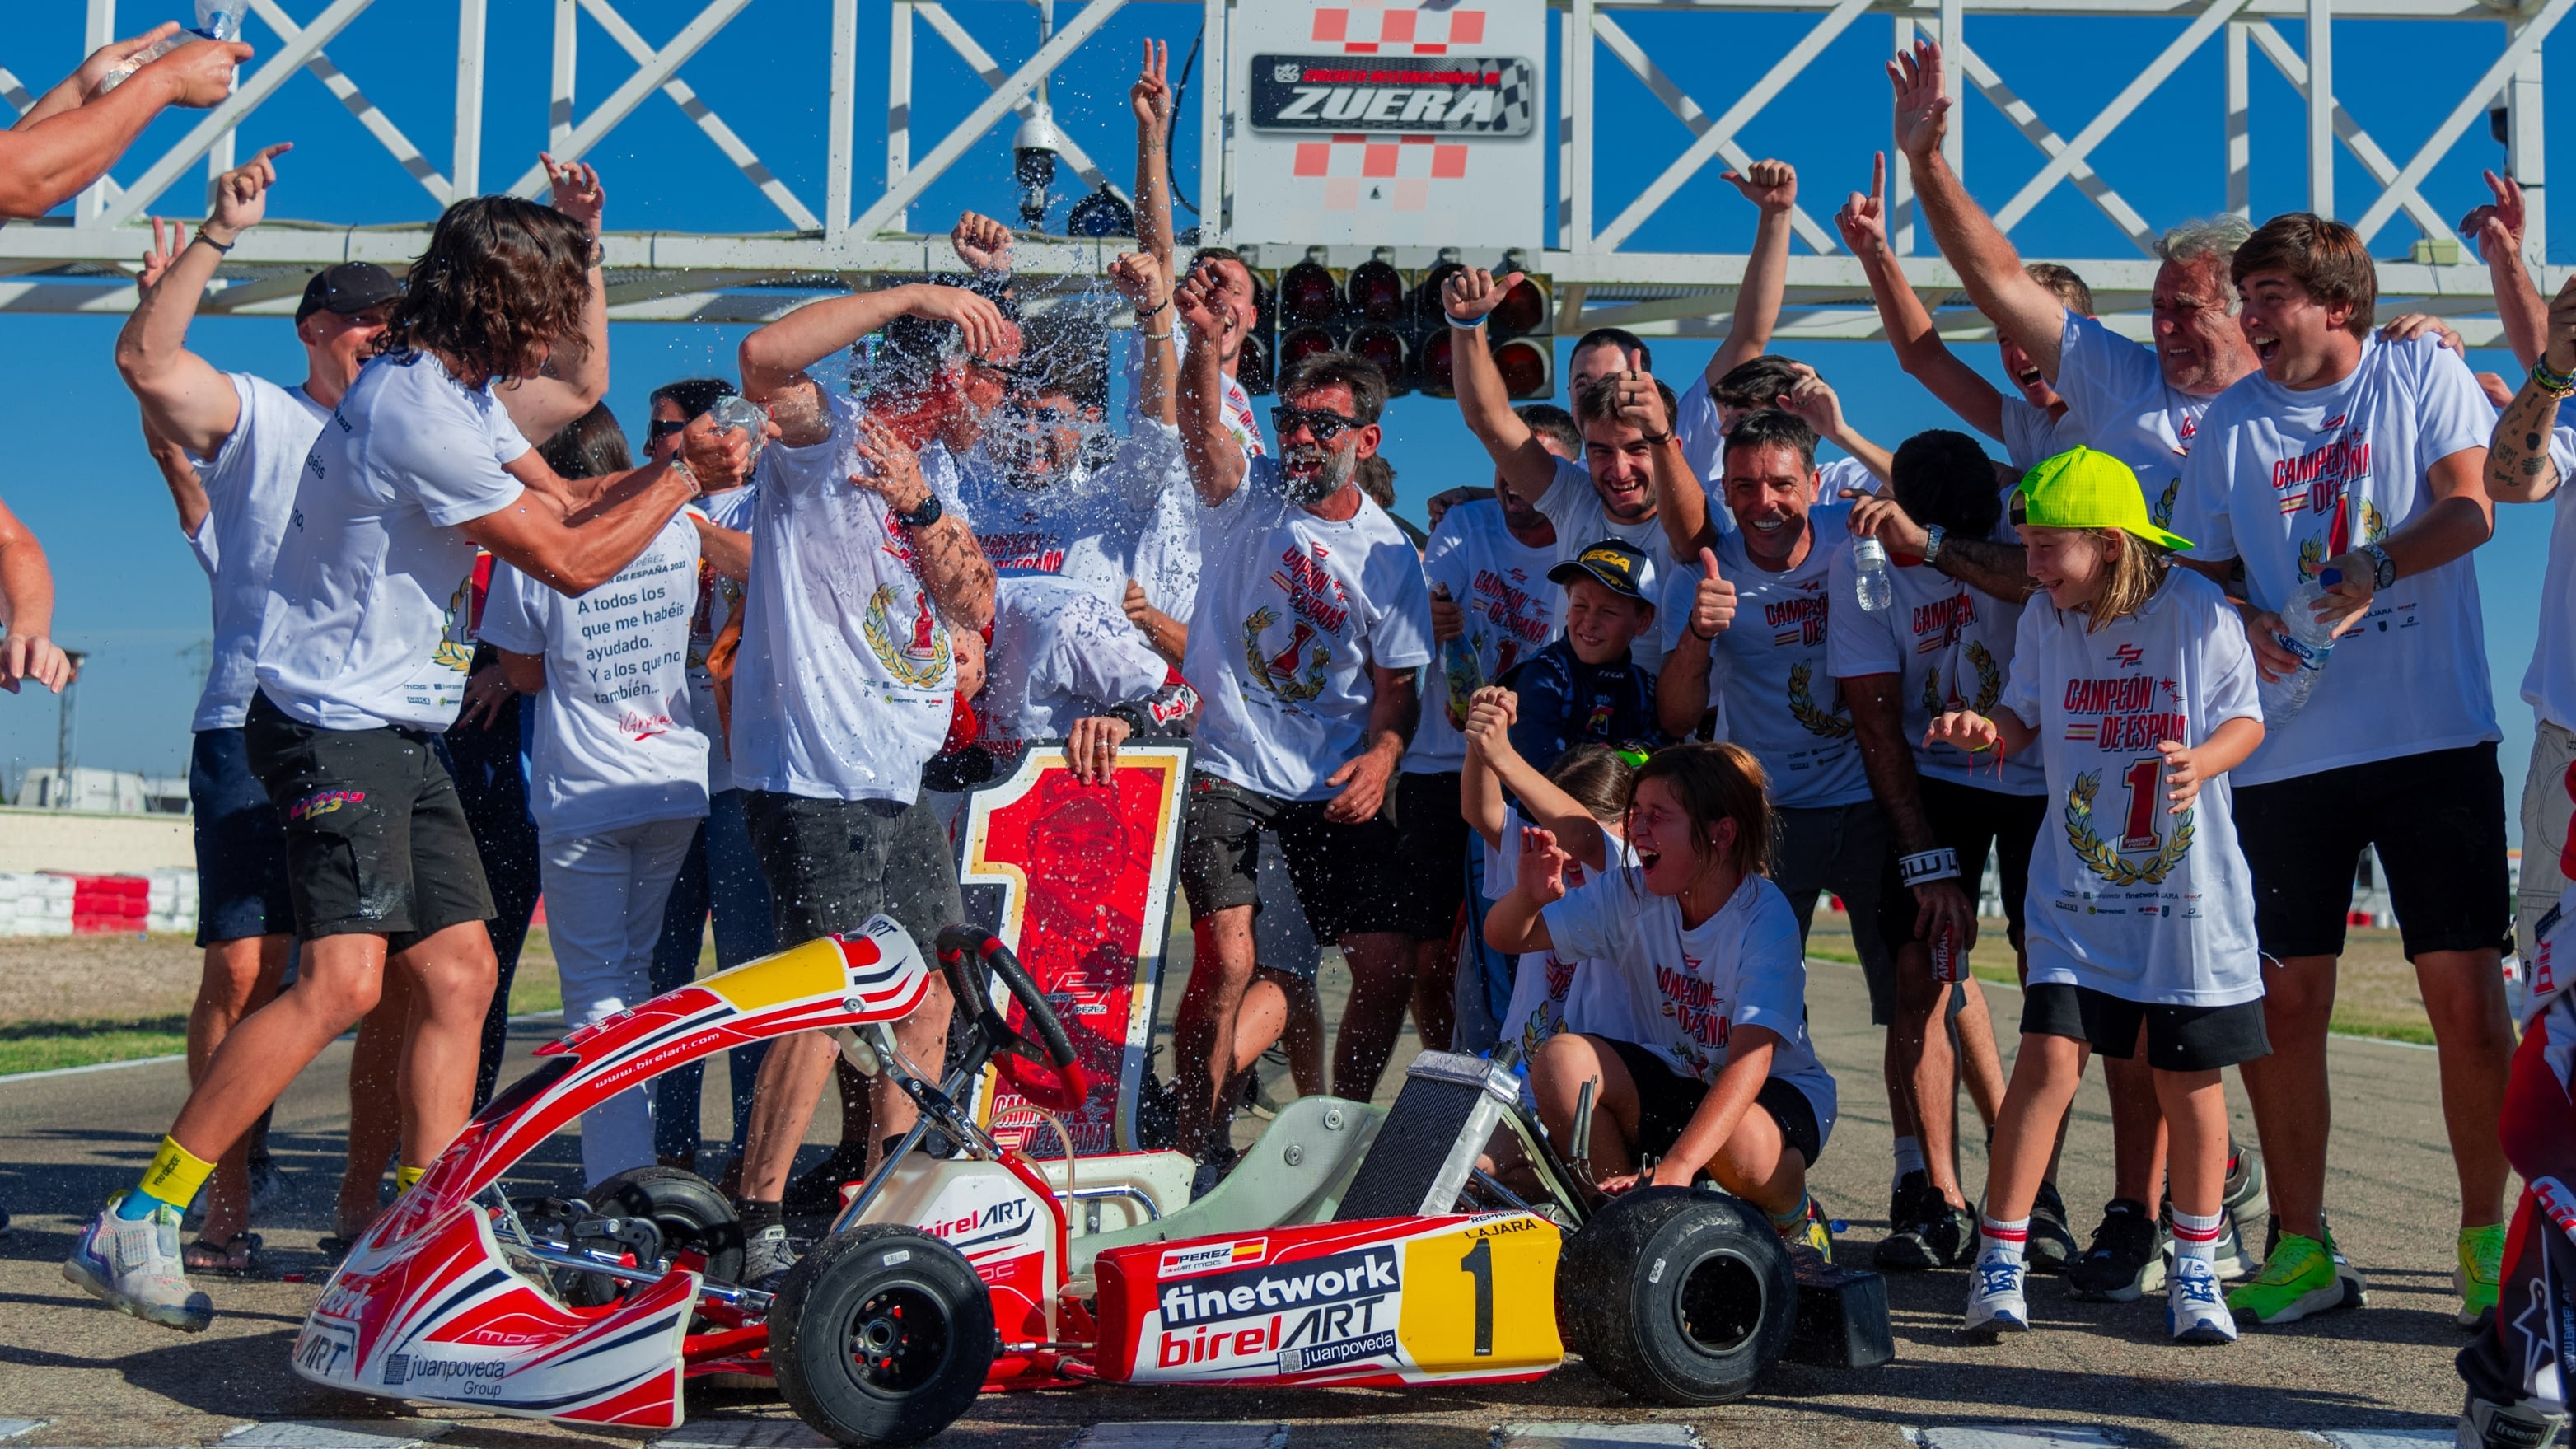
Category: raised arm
[2496,229]
[2521,468]
[27,650]
[1215,462]
[70,138]
[774,358]
[1918,345]
[1681,689]
[1490,716]
[1987,264]
[1468,296]
[1143,281]
[185,400]
[187,490]
[1773,187]
[1999,570]
[951,564]
[575,377]
[1151,99]
[1815,400]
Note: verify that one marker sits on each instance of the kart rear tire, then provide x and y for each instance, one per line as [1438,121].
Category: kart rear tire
[910,1299]
[687,1208]
[1680,1295]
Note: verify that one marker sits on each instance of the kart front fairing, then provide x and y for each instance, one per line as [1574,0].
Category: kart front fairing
[428,1304]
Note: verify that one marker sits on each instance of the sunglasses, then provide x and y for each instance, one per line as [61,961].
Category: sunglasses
[1326,426]
[663,428]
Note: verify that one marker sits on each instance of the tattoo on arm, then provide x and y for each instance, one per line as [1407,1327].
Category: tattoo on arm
[953,568]
[1999,569]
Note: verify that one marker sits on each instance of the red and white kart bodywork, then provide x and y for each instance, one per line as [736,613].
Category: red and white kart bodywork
[943,1278]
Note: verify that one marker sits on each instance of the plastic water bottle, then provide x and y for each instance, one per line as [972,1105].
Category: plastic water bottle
[1870,581]
[2308,637]
[1462,673]
[733,410]
[216,20]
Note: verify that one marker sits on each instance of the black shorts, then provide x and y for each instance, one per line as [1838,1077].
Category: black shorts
[832,864]
[376,840]
[2437,820]
[2179,1038]
[241,847]
[1431,853]
[1666,1100]
[1971,821]
[1347,876]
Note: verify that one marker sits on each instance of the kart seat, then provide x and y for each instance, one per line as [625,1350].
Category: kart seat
[1296,1173]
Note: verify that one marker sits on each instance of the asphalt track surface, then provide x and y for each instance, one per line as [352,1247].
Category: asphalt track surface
[2093,1373]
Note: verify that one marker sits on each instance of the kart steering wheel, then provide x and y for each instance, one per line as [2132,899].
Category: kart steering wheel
[1046,1072]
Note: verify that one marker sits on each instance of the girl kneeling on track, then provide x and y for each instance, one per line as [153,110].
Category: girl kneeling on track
[1581,799]
[2138,688]
[1711,1069]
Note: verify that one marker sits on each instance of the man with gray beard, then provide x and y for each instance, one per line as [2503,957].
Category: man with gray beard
[1310,619]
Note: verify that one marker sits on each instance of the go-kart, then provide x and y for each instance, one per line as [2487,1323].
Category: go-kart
[1349,1245]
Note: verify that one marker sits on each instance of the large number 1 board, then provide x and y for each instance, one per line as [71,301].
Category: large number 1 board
[1084,875]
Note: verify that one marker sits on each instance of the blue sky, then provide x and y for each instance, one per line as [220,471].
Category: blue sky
[131,593]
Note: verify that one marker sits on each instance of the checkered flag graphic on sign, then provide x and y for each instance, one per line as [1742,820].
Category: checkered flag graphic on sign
[1381,29]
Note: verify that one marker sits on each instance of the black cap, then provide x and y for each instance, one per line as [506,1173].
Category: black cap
[1617,566]
[348,288]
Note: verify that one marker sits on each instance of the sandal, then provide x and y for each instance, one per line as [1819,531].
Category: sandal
[239,1258]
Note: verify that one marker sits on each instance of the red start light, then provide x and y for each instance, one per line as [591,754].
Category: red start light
[1302,343]
[1307,294]
[1377,292]
[1523,364]
[1383,347]
[1437,377]
[1522,309]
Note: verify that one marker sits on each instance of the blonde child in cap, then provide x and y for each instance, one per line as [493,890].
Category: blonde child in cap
[2138,691]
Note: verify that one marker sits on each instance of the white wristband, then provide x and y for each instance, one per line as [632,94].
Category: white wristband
[1928,865]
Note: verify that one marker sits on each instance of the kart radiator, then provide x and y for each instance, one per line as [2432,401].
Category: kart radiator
[1427,1147]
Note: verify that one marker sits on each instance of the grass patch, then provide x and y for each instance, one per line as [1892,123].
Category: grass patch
[44,1046]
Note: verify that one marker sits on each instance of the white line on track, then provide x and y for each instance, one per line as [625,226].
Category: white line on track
[2386,1438]
[1595,1436]
[336,1434]
[12,1428]
[551,1017]
[743,1434]
[2010,1436]
[1181,1434]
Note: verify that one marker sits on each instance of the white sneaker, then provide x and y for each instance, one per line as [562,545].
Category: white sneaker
[1995,1302]
[2195,1308]
[135,1266]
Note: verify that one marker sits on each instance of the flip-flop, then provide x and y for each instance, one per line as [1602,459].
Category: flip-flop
[239,1258]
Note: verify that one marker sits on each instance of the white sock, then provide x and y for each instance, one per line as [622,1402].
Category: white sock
[2007,1239]
[2197,1237]
[1909,1156]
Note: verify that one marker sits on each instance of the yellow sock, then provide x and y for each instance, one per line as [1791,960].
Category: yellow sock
[174,1176]
[405,1176]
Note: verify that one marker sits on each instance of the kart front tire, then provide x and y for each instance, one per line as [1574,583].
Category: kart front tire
[1680,1295]
[881,1336]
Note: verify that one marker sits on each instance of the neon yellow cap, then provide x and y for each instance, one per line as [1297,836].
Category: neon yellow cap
[2081,488]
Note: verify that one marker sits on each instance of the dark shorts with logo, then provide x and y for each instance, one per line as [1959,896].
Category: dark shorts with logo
[241,849]
[376,839]
[1347,875]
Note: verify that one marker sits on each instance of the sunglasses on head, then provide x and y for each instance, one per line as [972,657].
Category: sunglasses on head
[1326,426]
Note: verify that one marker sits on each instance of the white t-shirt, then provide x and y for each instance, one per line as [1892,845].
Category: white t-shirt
[1058,654]
[1571,503]
[2550,683]
[2031,435]
[1951,648]
[1768,671]
[1552,992]
[846,680]
[366,621]
[1156,480]
[2287,480]
[2124,897]
[1691,988]
[617,742]
[1084,527]
[1500,585]
[2118,402]
[250,487]
[1292,612]
[718,599]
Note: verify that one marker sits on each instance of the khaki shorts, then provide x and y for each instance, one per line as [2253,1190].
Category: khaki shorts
[2548,799]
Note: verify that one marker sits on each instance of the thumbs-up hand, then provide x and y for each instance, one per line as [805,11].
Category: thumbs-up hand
[1713,603]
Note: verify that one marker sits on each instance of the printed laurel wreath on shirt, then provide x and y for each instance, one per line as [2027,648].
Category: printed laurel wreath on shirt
[2097,854]
[2161,511]
[1833,724]
[1990,683]
[2312,551]
[1279,674]
[921,664]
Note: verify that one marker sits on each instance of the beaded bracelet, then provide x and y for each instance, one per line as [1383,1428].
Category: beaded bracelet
[2550,380]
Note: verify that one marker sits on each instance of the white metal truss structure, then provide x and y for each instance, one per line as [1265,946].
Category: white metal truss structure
[83,263]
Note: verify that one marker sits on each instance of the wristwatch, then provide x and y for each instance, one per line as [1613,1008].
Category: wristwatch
[927,514]
[2383,569]
[1932,537]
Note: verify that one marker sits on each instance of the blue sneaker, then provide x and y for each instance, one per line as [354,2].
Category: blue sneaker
[1995,1302]
[135,1266]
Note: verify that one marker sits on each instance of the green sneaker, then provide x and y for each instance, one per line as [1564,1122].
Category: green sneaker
[2298,1279]
[2481,1265]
